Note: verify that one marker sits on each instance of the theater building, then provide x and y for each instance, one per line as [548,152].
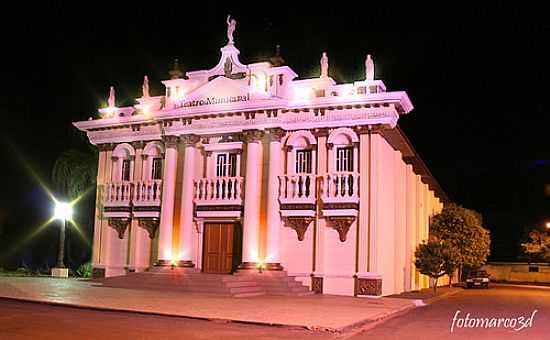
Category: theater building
[247,168]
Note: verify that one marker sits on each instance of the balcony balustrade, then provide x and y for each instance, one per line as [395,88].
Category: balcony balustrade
[219,191]
[147,193]
[340,187]
[297,189]
[117,194]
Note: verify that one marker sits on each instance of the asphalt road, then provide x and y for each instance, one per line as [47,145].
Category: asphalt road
[499,301]
[20,320]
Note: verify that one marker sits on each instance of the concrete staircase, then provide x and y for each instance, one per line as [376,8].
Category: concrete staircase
[187,281]
[242,284]
[277,283]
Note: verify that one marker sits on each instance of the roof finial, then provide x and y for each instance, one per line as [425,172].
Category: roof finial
[324,65]
[277,60]
[145,87]
[369,68]
[111,100]
[231,25]
[176,72]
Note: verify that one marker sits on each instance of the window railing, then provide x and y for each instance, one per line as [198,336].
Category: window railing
[148,191]
[219,190]
[297,188]
[340,186]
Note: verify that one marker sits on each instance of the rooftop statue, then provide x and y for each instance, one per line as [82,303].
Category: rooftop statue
[369,68]
[324,65]
[231,24]
[111,100]
[145,87]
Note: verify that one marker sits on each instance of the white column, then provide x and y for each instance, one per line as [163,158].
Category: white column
[186,214]
[273,218]
[168,196]
[252,198]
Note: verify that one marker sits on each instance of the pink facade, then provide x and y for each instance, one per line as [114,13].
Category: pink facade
[244,166]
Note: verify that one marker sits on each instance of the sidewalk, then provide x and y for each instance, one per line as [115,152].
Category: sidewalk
[317,312]
[426,296]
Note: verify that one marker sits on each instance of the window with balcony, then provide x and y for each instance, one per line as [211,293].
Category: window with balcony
[344,159]
[157,168]
[226,165]
[126,170]
[303,161]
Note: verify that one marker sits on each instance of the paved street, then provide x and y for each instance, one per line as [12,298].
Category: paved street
[500,301]
[20,320]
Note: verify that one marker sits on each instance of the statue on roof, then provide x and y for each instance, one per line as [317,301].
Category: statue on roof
[145,87]
[111,100]
[231,24]
[324,65]
[369,68]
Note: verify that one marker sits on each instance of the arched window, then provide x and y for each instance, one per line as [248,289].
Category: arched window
[123,163]
[153,159]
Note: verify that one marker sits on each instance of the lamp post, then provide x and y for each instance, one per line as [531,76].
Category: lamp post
[62,212]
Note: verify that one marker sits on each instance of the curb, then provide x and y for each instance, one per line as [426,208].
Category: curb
[439,297]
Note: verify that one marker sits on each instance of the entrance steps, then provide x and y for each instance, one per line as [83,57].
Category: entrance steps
[186,280]
[241,284]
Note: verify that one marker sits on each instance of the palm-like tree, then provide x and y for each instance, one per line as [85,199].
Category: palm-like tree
[73,175]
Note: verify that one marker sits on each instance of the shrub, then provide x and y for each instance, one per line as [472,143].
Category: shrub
[85,270]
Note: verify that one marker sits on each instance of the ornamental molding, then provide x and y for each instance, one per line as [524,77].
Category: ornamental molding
[149,224]
[138,144]
[322,132]
[367,286]
[341,225]
[252,136]
[299,224]
[120,225]
[276,134]
[170,141]
[317,284]
[189,140]
[106,147]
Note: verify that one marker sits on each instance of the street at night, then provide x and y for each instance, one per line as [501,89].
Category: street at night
[21,320]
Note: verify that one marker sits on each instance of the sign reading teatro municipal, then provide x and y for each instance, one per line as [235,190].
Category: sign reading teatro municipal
[212,101]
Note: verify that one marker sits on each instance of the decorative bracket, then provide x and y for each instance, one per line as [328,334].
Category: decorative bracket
[299,224]
[149,224]
[341,225]
[120,225]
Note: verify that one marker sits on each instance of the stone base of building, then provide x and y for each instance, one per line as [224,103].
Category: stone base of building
[186,264]
[367,286]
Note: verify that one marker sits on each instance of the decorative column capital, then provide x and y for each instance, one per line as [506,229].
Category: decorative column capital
[114,158]
[252,136]
[341,225]
[276,134]
[170,141]
[132,157]
[189,140]
[106,147]
[138,144]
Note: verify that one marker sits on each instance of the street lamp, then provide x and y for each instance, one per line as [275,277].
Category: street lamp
[63,211]
[547,225]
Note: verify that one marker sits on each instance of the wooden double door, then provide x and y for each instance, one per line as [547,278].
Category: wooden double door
[222,247]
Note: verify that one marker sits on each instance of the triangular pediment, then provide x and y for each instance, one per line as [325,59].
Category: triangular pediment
[222,90]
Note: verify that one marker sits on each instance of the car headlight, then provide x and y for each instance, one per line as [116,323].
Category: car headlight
[469,280]
[485,279]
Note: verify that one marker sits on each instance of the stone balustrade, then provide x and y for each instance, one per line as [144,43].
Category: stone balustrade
[117,193]
[218,190]
[147,192]
[143,193]
[297,188]
[340,187]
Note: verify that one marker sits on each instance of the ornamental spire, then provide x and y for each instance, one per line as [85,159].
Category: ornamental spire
[324,65]
[145,87]
[369,68]
[277,59]
[111,100]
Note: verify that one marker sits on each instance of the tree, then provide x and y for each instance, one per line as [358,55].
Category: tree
[434,258]
[538,247]
[74,174]
[461,229]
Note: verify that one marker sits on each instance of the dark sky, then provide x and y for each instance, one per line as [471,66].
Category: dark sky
[476,76]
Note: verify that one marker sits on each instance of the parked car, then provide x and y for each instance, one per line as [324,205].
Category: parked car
[478,278]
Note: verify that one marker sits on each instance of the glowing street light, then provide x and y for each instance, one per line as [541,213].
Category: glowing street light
[64,212]
[547,225]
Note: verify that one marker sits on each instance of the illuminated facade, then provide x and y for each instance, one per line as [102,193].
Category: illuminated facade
[241,166]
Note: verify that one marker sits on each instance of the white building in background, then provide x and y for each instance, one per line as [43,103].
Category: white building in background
[244,166]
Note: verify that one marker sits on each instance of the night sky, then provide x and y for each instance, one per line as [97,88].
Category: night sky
[478,78]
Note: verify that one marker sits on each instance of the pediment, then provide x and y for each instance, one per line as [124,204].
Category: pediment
[222,90]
